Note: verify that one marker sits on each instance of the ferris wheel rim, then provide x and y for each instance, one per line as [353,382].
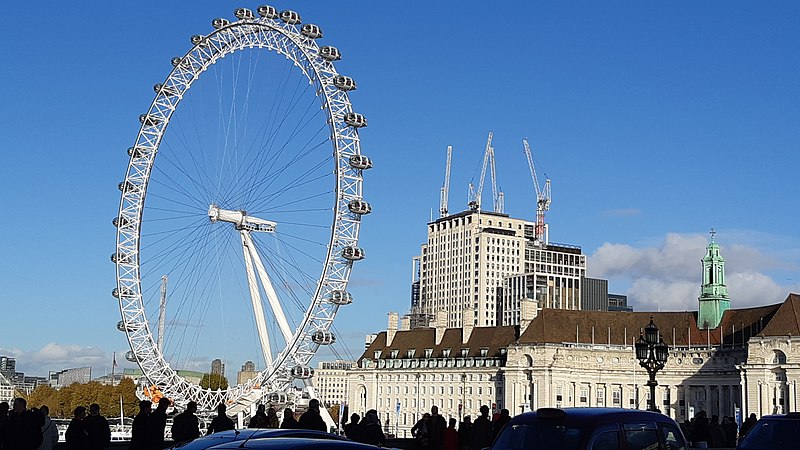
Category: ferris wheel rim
[233,37]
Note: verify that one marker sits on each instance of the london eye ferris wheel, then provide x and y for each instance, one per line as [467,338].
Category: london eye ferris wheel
[240,209]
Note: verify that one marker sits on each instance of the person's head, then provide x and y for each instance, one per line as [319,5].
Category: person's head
[354,418]
[313,404]
[452,423]
[221,408]
[434,410]
[484,410]
[4,407]
[20,405]
[288,413]
[714,418]
[144,406]
[371,417]
[79,413]
[163,403]
[467,420]
[191,407]
[45,410]
[94,409]
[504,413]
[271,412]
[260,409]
[426,416]
[753,416]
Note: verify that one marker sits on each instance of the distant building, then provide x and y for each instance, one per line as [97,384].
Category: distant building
[66,377]
[618,302]
[330,381]
[192,376]
[247,373]
[6,389]
[7,365]
[217,367]
[594,294]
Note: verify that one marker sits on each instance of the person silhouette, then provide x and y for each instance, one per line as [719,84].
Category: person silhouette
[221,422]
[186,426]
[139,427]
[156,424]
[97,428]
[311,419]
[289,422]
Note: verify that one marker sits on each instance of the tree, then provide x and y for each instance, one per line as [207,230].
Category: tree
[213,381]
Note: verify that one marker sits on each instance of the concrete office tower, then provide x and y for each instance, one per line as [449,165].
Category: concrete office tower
[217,367]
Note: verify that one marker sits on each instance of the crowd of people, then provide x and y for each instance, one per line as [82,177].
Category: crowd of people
[703,432]
[31,429]
[432,432]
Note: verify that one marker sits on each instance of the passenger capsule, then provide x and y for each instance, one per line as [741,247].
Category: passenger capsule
[340,298]
[353,253]
[148,120]
[178,61]
[302,372]
[360,162]
[125,186]
[243,14]
[359,207]
[124,328]
[330,53]
[120,222]
[355,120]
[197,38]
[323,337]
[135,152]
[166,90]
[344,83]
[290,17]
[130,356]
[267,11]
[219,22]
[312,31]
[120,257]
[116,293]
[277,397]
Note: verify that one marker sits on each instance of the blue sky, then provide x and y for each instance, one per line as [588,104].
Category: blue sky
[655,122]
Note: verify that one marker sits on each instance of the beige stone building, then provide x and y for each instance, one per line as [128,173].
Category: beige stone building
[330,381]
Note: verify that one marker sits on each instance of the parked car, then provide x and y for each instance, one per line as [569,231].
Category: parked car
[780,431]
[295,443]
[240,436]
[591,429]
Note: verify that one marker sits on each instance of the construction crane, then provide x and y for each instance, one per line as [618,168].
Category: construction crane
[446,186]
[543,196]
[475,195]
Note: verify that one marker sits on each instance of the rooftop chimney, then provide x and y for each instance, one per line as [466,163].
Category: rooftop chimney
[405,323]
[441,325]
[391,330]
[529,309]
[468,324]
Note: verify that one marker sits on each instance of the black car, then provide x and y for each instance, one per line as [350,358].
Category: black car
[295,444]
[239,436]
[591,429]
[780,431]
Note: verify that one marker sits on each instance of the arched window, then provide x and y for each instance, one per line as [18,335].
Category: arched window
[780,357]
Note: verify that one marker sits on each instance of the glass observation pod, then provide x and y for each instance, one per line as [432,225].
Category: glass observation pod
[120,257]
[355,120]
[219,22]
[311,31]
[243,14]
[302,372]
[120,221]
[340,298]
[330,53]
[122,327]
[178,61]
[277,397]
[353,253]
[166,90]
[197,38]
[130,356]
[323,337]
[359,207]
[149,121]
[135,152]
[344,83]
[290,17]
[267,11]
[116,293]
[125,186]
[360,162]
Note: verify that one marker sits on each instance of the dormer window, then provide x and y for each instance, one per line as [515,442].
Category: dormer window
[394,354]
[464,352]
[446,353]
[377,354]
[484,351]
[410,353]
[428,352]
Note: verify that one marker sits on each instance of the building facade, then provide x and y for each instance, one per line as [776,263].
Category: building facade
[330,381]
[594,294]
[217,367]
[247,373]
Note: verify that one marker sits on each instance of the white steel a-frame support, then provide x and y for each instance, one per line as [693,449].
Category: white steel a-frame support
[255,298]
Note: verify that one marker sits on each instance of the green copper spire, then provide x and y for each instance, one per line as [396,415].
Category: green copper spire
[713,293]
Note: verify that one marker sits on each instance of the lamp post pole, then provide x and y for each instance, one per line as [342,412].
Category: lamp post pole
[652,353]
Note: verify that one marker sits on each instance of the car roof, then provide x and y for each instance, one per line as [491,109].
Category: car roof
[589,416]
[252,433]
[789,416]
[294,443]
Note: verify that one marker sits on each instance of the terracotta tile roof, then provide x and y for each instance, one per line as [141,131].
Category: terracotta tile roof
[786,320]
[491,338]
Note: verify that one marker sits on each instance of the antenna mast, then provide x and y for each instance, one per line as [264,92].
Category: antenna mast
[543,195]
[446,186]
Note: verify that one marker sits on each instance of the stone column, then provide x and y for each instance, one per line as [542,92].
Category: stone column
[707,406]
[719,402]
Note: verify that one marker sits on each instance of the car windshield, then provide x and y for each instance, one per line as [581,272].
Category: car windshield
[772,434]
[539,434]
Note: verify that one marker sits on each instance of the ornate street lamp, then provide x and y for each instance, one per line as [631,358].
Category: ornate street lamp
[652,353]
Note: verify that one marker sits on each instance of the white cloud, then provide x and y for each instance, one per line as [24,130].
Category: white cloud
[667,276]
[55,356]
